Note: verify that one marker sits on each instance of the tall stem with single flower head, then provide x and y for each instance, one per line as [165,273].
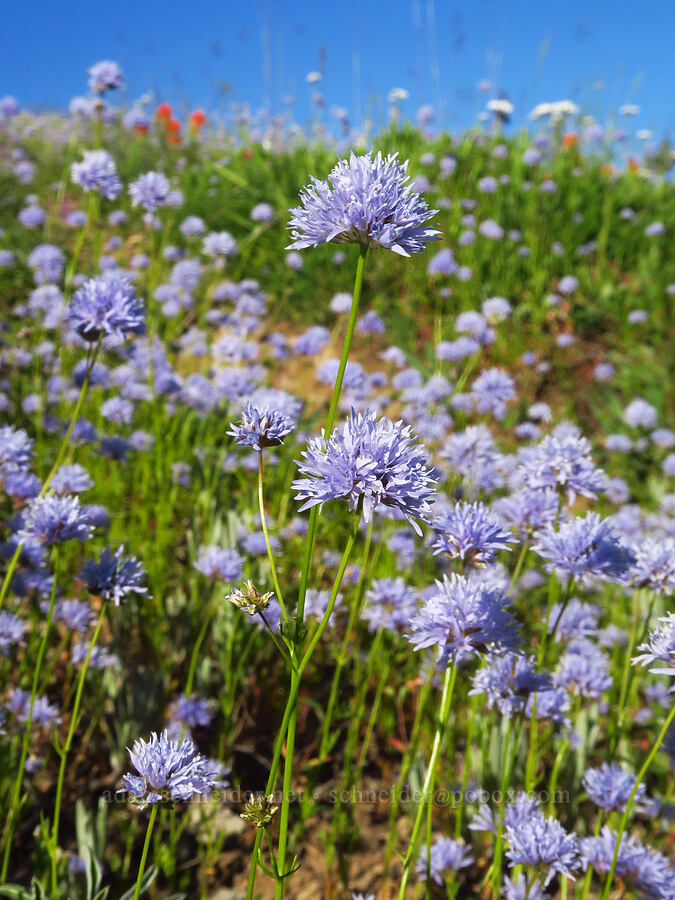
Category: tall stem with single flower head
[629,805]
[65,749]
[16,790]
[91,359]
[430,778]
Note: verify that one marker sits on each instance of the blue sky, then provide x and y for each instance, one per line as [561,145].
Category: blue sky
[209,52]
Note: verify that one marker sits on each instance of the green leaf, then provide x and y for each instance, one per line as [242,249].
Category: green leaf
[146,881]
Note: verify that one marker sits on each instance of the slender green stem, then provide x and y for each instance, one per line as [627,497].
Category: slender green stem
[263,522]
[406,762]
[65,749]
[589,871]
[617,719]
[332,409]
[16,790]
[296,678]
[195,650]
[354,609]
[146,847]
[467,763]
[519,565]
[289,721]
[59,459]
[372,719]
[430,777]
[629,805]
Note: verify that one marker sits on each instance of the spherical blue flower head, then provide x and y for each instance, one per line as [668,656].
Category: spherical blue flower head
[261,427]
[316,603]
[220,563]
[47,263]
[585,548]
[551,706]
[168,771]
[491,391]
[562,462]
[54,520]
[71,479]
[367,202]
[16,448]
[106,305]
[96,172]
[610,786]
[660,648]
[45,714]
[578,620]
[640,414]
[312,341]
[654,566]
[528,510]
[186,274]
[192,711]
[583,670]
[99,658]
[375,462]
[442,263]
[19,484]
[192,226]
[219,243]
[520,888]
[508,678]
[640,868]
[446,856]
[473,454]
[76,616]
[462,619]
[12,630]
[471,532]
[105,76]
[150,191]
[390,603]
[114,576]
[542,842]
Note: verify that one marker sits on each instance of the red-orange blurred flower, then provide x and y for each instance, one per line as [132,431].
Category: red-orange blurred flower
[569,140]
[163,111]
[173,125]
[141,129]
[632,165]
[197,119]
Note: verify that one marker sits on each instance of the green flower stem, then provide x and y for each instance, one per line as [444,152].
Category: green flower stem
[195,649]
[406,763]
[332,410]
[508,761]
[348,778]
[629,670]
[589,871]
[290,714]
[629,805]
[546,638]
[263,522]
[292,698]
[430,777]
[372,719]
[16,790]
[519,565]
[65,749]
[467,763]
[354,609]
[146,847]
[79,243]
[59,459]
[560,759]
[296,678]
